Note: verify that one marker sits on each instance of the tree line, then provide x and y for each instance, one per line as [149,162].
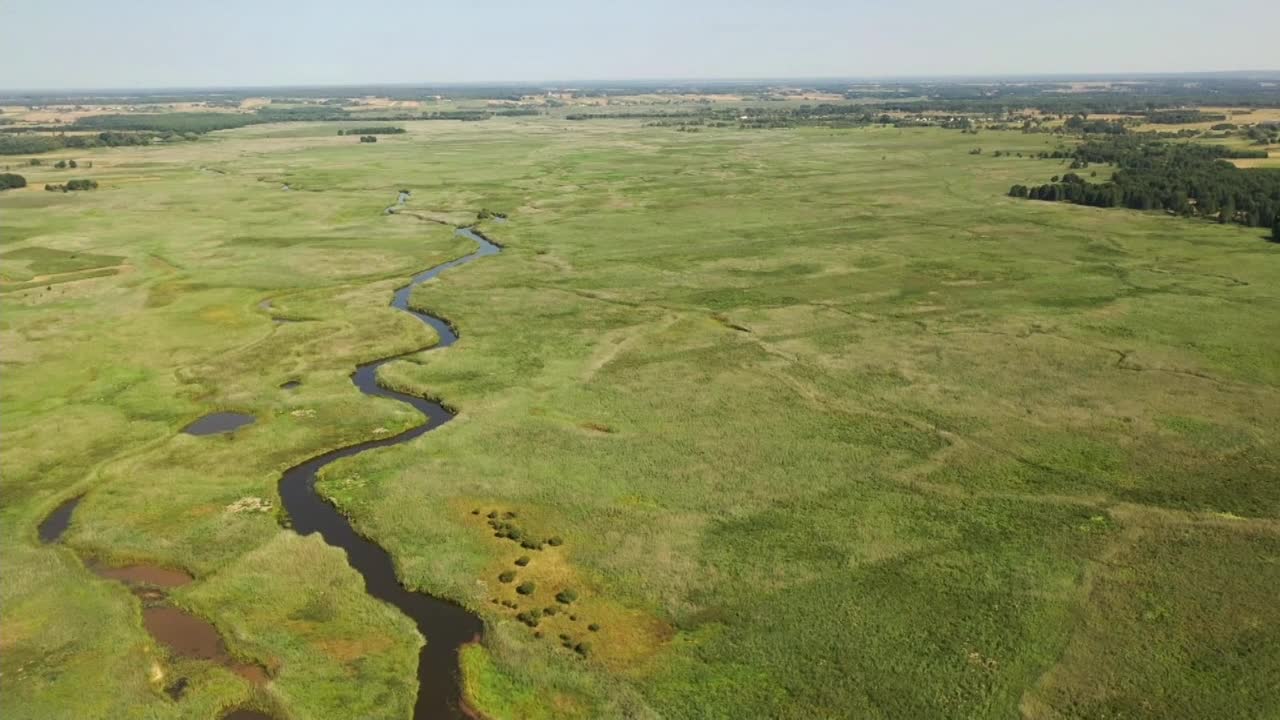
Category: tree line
[143,129]
[1183,117]
[373,131]
[35,144]
[1185,179]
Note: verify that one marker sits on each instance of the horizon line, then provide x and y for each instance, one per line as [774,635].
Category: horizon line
[596,82]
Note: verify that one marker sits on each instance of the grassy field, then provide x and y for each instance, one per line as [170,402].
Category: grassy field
[827,425]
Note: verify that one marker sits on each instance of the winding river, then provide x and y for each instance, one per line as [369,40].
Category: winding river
[446,626]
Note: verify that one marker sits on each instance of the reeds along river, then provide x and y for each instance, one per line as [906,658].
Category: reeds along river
[446,626]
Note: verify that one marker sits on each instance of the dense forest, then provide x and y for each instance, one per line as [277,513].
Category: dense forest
[1186,179]
[178,122]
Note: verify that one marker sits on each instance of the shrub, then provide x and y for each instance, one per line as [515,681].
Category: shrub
[582,648]
[507,576]
[594,627]
[11,180]
[531,545]
[525,588]
[566,596]
[492,514]
[522,560]
[555,541]
[550,610]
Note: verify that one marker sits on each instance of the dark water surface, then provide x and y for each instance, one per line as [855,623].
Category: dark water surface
[219,422]
[245,714]
[58,521]
[445,625]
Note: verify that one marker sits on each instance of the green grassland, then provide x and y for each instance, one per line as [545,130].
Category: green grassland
[828,425]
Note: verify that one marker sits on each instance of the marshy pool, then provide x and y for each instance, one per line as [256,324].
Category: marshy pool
[219,422]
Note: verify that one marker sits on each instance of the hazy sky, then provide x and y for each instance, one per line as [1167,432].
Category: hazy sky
[147,43]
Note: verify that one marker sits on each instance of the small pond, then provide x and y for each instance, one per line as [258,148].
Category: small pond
[219,422]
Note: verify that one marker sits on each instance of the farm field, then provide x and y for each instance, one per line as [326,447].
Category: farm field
[821,422]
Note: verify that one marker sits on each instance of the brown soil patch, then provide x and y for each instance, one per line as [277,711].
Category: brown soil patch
[145,575]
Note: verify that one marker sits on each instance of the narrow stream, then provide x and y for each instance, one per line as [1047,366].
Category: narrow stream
[445,625]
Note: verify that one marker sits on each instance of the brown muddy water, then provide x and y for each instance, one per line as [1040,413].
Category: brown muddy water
[183,634]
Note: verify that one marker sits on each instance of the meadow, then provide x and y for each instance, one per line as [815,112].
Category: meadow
[823,424]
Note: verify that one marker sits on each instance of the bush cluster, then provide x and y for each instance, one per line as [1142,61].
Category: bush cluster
[73,186]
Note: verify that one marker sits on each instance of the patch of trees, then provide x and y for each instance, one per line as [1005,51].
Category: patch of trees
[64,164]
[1264,133]
[33,144]
[463,115]
[29,144]
[176,122]
[12,180]
[73,186]
[373,131]
[1183,117]
[368,138]
[1081,124]
[1140,149]
[1184,179]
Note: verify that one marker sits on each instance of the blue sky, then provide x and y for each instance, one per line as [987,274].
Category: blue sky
[146,43]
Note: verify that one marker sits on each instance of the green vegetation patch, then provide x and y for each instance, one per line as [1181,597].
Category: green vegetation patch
[49,261]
